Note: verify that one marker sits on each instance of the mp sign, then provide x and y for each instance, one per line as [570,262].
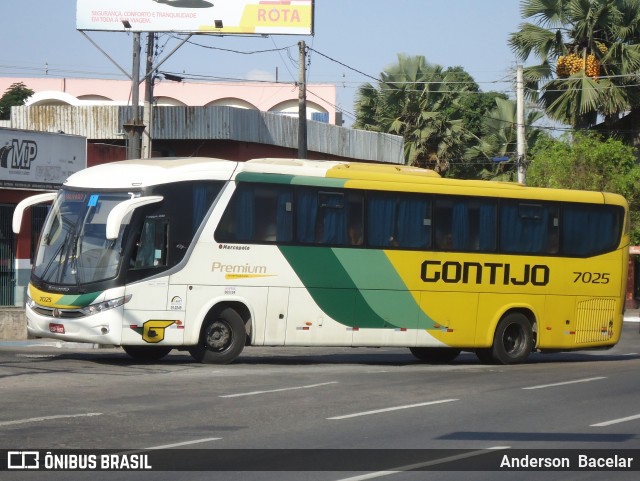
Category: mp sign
[262,17]
[38,160]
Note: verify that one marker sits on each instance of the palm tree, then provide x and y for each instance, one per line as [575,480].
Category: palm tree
[417,100]
[589,53]
[500,141]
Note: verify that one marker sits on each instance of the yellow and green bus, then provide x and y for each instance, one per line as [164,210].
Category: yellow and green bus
[209,255]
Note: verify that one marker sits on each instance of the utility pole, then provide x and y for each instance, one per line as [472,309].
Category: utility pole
[302,103]
[147,115]
[134,128]
[520,133]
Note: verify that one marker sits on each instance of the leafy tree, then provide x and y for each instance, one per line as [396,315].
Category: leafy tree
[588,162]
[477,109]
[589,53]
[15,95]
[499,140]
[419,101]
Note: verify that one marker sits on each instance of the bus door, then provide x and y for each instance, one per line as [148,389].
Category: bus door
[276,319]
[155,313]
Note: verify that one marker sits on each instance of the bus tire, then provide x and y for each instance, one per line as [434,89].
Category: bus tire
[147,353]
[513,339]
[222,338]
[435,354]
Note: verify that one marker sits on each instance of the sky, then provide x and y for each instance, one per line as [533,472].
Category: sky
[354,41]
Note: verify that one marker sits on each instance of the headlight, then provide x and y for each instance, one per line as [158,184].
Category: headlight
[105,306]
[30,302]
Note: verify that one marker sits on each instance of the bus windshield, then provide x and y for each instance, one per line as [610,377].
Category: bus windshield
[73,248]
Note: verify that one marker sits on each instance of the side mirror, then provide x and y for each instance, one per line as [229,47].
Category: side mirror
[120,211]
[25,204]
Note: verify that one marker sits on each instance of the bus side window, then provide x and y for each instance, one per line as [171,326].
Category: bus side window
[529,228]
[355,218]
[272,211]
[484,226]
[381,219]
[402,221]
[413,229]
[590,229]
[332,213]
[446,215]
[306,213]
[258,213]
[237,222]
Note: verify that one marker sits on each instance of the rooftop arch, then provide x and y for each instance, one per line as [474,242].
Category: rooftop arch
[165,101]
[232,102]
[51,97]
[290,107]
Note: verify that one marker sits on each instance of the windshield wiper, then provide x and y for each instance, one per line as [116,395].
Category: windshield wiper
[57,255]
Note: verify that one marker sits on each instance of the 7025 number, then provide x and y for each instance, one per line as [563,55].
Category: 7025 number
[592,277]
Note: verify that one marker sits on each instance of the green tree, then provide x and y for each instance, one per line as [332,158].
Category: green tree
[15,95]
[499,140]
[476,109]
[589,162]
[589,53]
[419,101]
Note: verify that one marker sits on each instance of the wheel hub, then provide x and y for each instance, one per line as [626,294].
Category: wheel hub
[218,336]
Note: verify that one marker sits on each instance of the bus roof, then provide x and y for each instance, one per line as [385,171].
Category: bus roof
[146,172]
[404,179]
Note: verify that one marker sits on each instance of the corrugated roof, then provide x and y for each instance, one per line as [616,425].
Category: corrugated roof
[213,123]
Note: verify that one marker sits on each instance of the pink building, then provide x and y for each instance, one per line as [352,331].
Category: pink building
[264,96]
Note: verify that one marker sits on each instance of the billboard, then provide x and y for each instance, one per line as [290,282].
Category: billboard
[263,17]
[38,160]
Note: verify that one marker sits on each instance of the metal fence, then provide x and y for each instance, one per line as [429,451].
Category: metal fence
[7,256]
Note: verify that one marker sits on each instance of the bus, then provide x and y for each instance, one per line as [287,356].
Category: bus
[211,255]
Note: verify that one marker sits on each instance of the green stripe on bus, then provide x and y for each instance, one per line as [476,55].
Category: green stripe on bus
[381,289]
[290,179]
[357,288]
[264,178]
[83,300]
[318,181]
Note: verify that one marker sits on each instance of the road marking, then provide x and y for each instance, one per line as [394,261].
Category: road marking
[185,443]
[396,408]
[47,418]
[615,421]
[412,467]
[255,393]
[542,386]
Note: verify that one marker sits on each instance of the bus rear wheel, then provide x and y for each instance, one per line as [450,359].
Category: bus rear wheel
[147,353]
[222,338]
[435,354]
[512,341]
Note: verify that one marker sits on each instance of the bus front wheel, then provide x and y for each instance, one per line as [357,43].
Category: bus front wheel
[222,338]
[512,342]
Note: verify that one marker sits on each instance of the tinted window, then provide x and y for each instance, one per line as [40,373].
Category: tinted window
[590,229]
[260,213]
[529,228]
[398,220]
[465,224]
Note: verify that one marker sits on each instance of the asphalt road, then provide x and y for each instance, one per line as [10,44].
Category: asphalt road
[371,402]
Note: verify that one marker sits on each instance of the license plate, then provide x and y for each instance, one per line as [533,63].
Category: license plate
[56,328]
